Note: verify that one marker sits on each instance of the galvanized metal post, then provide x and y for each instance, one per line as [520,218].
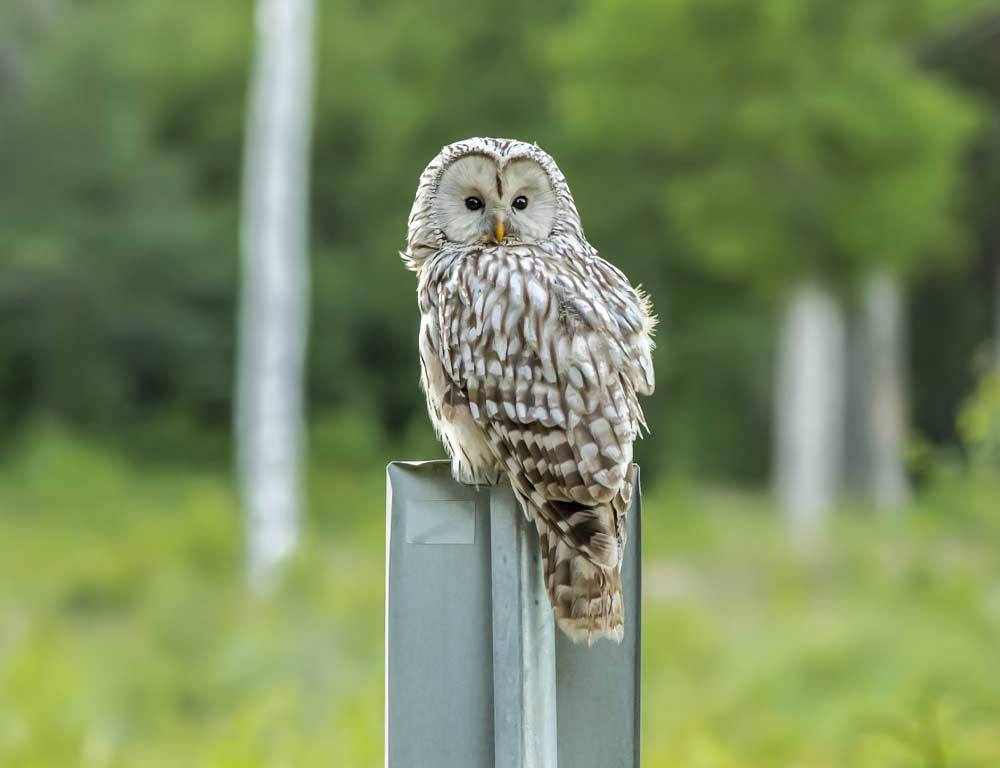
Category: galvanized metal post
[476,675]
[524,655]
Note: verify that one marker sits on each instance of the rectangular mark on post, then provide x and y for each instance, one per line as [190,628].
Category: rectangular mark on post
[441,522]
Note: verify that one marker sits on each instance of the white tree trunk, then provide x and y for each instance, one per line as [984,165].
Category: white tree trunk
[809,408]
[274,302]
[885,364]
[857,442]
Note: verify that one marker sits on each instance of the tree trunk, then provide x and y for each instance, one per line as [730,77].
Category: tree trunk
[885,364]
[809,408]
[857,440]
[274,300]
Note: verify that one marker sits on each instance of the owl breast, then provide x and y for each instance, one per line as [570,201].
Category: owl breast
[531,356]
[472,462]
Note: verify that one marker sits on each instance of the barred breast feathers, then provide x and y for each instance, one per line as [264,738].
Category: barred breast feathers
[550,353]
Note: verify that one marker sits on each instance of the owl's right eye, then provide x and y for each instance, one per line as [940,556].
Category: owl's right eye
[473,203]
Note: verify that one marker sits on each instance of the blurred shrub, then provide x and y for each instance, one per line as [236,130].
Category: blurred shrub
[127,638]
[979,424]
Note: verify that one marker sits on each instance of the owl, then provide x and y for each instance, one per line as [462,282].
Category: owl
[533,352]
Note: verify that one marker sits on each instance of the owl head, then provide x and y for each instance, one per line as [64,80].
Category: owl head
[489,192]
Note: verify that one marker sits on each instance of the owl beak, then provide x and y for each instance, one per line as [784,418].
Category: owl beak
[496,236]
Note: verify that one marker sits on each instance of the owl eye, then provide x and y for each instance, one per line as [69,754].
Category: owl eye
[520,202]
[473,203]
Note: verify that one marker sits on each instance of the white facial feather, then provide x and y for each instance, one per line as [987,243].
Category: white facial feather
[471,175]
[526,177]
[476,175]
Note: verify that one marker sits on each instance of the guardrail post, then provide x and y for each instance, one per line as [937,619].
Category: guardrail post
[476,674]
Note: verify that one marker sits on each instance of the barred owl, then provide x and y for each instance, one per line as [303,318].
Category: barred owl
[533,351]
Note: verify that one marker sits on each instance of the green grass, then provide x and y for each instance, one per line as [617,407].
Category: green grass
[127,638]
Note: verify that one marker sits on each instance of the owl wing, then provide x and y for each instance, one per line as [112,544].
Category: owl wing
[550,353]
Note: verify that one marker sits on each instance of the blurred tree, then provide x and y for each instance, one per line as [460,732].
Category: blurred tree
[112,293]
[720,152]
[881,412]
[274,306]
[883,406]
[969,53]
[787,144]
[809,407]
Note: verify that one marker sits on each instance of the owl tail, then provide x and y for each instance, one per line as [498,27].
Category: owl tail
[586,598]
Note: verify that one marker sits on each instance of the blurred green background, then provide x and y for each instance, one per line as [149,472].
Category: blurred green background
[719,151]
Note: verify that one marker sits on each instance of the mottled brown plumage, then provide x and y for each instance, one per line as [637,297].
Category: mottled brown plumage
[533,352]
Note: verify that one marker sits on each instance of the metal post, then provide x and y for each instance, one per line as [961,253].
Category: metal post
[473,662]
[524,661]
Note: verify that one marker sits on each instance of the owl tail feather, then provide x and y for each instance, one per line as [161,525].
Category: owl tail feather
[586,598]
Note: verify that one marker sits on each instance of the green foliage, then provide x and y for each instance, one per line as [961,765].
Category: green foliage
[114,300]
[127,639]
[779,138]
[966,482]
[979,424]
[716,149]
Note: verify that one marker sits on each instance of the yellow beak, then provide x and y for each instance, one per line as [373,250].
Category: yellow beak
[499,231]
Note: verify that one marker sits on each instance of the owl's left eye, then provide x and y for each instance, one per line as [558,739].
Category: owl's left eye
[520,202]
